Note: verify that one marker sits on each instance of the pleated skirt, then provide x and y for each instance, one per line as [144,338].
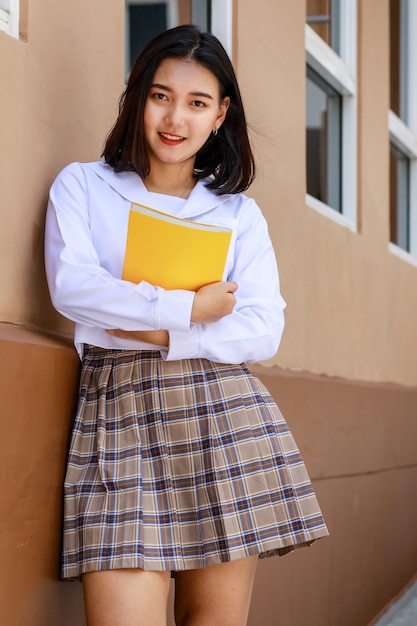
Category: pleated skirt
[178,465]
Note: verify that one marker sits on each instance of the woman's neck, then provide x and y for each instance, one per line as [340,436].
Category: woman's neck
[178,182]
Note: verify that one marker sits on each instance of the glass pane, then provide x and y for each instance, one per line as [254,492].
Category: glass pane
[324,155]
[398,57]
[201,14]
[145,22]
[147,19]
[399,198]
[324,17]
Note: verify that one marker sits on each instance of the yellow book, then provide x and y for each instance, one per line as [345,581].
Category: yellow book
[172,252]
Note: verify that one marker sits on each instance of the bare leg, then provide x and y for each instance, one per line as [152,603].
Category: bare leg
[126,597]
[218,595]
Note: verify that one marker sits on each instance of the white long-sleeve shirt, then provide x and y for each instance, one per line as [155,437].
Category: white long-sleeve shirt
[85,239]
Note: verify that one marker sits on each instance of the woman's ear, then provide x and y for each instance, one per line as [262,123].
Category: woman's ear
[224,105]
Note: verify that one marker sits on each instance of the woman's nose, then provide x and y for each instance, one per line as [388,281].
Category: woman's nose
[175,115]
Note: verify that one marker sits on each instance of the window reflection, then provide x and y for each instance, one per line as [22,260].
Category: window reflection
[399,198]
[398,57]
[324,125]
[146,18]
[145,21]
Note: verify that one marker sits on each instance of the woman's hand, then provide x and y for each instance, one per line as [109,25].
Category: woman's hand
[157,337]
[212,302]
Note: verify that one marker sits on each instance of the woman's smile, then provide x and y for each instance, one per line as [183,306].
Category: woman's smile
[171,140]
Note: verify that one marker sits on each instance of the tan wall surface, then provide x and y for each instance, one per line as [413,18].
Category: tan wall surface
[59,92]
[351,304]
[38,376]
[59,89]
[355,440]
[358,443]
[351,313]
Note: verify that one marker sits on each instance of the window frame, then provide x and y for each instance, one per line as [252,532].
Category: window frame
[404,136]
[172,15]
[9,20]
[339,70]
[221,20]
[333,161]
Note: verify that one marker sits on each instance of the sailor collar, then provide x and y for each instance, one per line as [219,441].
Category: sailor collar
[130,186]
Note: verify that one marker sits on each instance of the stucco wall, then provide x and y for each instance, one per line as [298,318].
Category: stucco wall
[38,376]
[358,445]
[350,317]
[58,97]
[354,438]
[59,92]
[351,303]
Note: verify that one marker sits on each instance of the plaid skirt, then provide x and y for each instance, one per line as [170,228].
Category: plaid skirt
[178,465]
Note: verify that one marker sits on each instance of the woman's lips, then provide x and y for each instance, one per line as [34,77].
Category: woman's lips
[171,140]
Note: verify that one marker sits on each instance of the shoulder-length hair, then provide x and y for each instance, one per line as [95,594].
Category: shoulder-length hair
[225,157]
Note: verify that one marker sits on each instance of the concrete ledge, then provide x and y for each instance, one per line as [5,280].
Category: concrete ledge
[13,333]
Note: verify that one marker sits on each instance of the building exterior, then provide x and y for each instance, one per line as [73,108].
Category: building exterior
[331,98]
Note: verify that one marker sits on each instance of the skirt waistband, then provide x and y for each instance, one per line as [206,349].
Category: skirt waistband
[90,350]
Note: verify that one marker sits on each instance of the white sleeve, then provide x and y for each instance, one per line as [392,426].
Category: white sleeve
[253,331]
[81,289]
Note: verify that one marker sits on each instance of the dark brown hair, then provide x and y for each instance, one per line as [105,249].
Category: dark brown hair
[226,157]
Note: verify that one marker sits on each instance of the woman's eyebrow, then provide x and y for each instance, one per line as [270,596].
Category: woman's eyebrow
[160,86]
[200,94]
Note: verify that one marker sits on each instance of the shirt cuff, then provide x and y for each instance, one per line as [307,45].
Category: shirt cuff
[183,345]
[175,309]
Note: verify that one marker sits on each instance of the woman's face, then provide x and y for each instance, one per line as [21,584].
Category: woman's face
[182,109]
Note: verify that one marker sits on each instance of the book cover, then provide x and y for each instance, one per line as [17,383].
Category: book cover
[172,252]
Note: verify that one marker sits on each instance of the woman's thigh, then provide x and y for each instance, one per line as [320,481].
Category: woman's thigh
[218,595]
[126,597]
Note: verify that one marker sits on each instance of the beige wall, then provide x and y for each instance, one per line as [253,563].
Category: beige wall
[58,98]
[345,376]
[59,92]
[38,382]
[356,440]
[351,304]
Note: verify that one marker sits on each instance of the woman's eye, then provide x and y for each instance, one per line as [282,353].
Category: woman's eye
[198,103]
[159,96]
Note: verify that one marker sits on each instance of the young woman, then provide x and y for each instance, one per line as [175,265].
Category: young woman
[180,462]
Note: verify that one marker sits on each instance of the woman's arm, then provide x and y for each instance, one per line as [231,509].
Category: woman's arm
[253,331]
[211,303]
[80,287]
[85,292]
[251,328]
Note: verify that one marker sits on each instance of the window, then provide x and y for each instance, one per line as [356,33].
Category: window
[147,18]
[399,198]
[402,122]
[324,123]
[323,17]
[9,17]
[331,119]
